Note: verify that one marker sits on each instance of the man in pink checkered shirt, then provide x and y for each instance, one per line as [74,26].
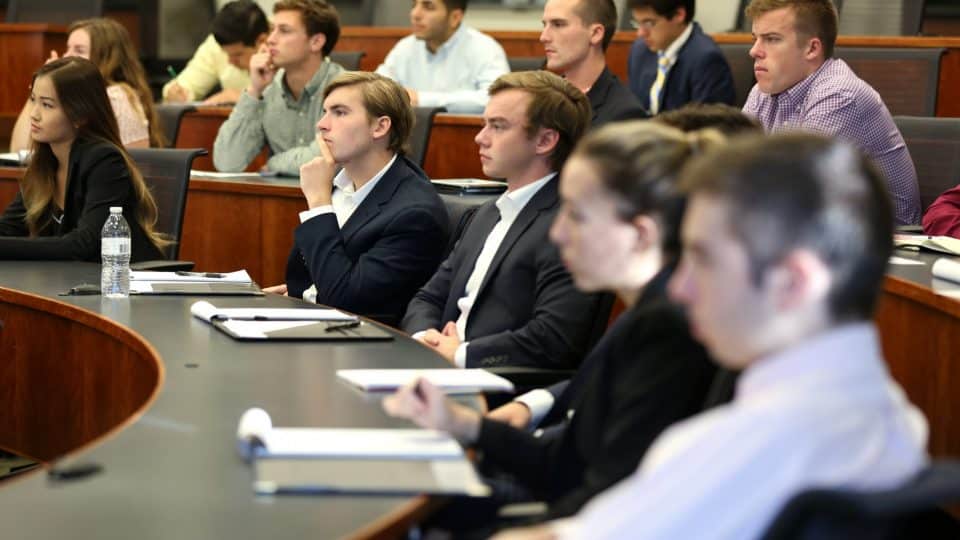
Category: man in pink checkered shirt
[800,86]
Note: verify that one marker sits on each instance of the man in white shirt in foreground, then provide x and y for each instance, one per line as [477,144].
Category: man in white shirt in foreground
[445,63]
[786,242]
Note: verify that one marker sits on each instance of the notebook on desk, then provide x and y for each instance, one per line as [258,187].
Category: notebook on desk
[193,283]
[301,330]
[469,186]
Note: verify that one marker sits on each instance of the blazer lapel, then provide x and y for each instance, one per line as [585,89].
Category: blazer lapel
[545,199]
[380,195]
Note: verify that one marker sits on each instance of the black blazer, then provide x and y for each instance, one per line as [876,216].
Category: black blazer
[97,178]
[611,101]
[700,75]
[388,248]
[644,375]
[527,311]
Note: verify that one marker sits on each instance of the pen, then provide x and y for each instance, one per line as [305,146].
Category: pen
[342,326]
[172,72]
[200,274]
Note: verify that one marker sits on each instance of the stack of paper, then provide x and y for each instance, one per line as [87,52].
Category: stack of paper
[207,311]
[202,283]
[451,381]
[941,244]
[947,269]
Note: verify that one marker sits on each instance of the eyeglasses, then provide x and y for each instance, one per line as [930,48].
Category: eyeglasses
[646,24]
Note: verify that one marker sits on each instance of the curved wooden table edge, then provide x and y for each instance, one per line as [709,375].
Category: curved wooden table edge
[907,289]
[100,323]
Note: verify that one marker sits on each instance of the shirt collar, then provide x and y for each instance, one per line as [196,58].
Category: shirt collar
[851,351]
[799,90]
[345,184]
[315,85]
[673,50]
[512,202]
[450,42]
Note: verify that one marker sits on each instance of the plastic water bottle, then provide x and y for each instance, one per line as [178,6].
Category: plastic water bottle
[115,256]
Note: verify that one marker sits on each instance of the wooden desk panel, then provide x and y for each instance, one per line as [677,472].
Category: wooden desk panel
[23,49]
[88,377]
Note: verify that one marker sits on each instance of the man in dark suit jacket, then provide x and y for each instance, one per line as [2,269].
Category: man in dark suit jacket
[503,296]
[575,37]
[375,231]
[695,68]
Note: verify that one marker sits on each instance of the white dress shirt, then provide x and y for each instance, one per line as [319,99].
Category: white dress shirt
[823,414]
[457,76]
[345,201]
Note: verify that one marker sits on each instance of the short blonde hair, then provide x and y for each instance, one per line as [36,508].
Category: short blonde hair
[381,97]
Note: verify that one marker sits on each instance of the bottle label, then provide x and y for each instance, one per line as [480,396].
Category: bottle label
[115,246]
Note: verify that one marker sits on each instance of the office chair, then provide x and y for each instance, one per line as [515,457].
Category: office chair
[420,136]
[170,115]
[52,11]
[906,79]
[911,511]
[882,17]
[934,145]
[741,67]
[167,174]
[526,63]
[350,60]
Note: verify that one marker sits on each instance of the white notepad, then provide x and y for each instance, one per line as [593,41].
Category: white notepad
[207,312]
[451,381]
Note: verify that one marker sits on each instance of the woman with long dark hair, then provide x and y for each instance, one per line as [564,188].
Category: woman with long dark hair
[77,171]
[107,44]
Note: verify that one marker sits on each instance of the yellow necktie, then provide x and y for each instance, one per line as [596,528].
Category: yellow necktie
[663,66]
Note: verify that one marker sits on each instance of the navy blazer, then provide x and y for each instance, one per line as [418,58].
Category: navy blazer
[611,101]
[389,247]
[97,179]
[644,375]
[700,74]
[527,311]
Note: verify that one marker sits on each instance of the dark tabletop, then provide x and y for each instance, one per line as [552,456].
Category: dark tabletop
[175,472]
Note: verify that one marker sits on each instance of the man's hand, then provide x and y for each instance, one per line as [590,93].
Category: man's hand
[428,407]
[53,56]
[316,176]
[176,93]
[445,342]
[414,97]
[262,72]
[515,413]
[277,289]
[224,97]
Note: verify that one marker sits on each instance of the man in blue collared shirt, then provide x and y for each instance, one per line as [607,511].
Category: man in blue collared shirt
[445,63]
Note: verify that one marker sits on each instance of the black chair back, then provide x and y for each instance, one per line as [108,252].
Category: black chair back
[170,115]
[882,17]
[906,79]
[52,11]
[167,174]
[420,136]
[526,63]
[350,60]
[911,511]
[741,66]
[934,145]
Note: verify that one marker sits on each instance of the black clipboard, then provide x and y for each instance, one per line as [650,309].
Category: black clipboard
[313,331]
[205,288]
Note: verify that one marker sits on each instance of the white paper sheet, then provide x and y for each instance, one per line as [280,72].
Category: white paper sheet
[206,311]
[240,276]
[450,381]
[361,443]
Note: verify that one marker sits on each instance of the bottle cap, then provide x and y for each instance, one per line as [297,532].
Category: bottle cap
[116,209]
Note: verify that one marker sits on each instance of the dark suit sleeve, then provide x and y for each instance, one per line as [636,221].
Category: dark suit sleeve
[656,376]
[13,222]
[107,183]
[409,243]
[557,334]
[514,451]
[713,81]
[425,310]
